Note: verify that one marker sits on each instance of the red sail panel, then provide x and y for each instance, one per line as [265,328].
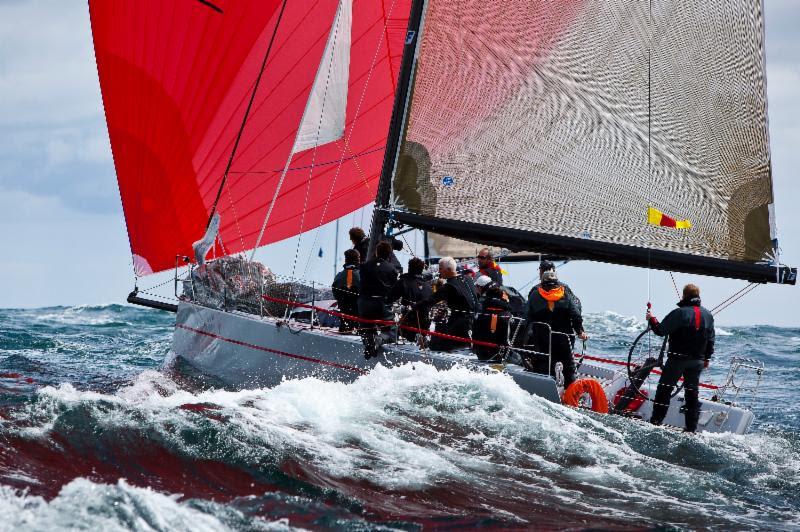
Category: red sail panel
[176,78]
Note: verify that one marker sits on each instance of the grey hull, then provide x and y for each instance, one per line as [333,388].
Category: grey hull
[246,351]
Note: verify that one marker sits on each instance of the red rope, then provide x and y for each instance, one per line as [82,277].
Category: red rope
[657,372]
[380,322]
[434,333]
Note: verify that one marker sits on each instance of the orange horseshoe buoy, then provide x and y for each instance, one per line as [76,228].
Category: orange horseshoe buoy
[575,391]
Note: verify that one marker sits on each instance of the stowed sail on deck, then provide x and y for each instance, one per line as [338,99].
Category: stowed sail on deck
[176,79]
[555,126]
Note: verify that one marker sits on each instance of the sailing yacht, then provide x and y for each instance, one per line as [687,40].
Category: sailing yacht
[535,126]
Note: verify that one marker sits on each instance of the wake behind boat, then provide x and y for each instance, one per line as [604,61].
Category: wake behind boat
[549,129]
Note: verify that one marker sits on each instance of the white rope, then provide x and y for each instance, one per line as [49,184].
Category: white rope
[277,191]
[347,140]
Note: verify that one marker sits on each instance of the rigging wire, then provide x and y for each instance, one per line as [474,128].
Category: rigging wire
[736,297]
[731,297]
[675,285]
[314,153]
[247,113]
[349,136]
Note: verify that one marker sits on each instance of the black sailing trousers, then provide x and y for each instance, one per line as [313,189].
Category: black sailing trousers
[673,370]
[373,336]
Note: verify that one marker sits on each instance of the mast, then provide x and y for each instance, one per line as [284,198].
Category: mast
[380,214]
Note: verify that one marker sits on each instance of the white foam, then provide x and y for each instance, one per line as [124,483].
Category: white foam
[413,427]
[85,505]
[83,315]
[613,322]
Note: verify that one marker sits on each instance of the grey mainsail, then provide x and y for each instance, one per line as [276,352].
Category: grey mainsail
[555,125]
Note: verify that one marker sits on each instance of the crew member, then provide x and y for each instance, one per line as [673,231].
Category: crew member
[458,292]
[690,329]
[346,287]
[413,288]
[482,284]
[487,266]
[378,276]
[546,266]
[554,317]
[492,323]
[360,242]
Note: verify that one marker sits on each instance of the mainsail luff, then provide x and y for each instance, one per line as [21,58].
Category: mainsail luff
[380,215]
[539,128]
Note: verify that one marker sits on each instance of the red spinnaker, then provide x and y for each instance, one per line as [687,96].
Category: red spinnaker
[176,78]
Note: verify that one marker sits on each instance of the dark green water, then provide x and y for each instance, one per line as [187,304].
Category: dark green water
[97,433]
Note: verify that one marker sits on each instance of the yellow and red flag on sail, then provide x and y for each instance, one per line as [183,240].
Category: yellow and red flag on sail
[656,217]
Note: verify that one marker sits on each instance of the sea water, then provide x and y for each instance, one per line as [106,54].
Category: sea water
[98,432]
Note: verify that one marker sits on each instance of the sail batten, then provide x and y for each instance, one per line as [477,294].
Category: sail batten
[573,119]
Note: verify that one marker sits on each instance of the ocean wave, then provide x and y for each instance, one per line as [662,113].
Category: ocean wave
[610,322]
[396,435]
[93,315]
[85,505]
[408,446]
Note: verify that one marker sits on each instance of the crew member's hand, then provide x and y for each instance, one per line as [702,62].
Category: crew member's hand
[583,336]
[705,363]
[648,316]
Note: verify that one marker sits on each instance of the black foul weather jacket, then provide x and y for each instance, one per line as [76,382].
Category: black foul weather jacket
[459,294]
[362,248]
[562,316]
[346,286]
[411,290]
[690,328]
[377,279]
[462,300]
[491,325]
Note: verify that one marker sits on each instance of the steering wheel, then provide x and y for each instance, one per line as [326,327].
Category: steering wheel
[640,355]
